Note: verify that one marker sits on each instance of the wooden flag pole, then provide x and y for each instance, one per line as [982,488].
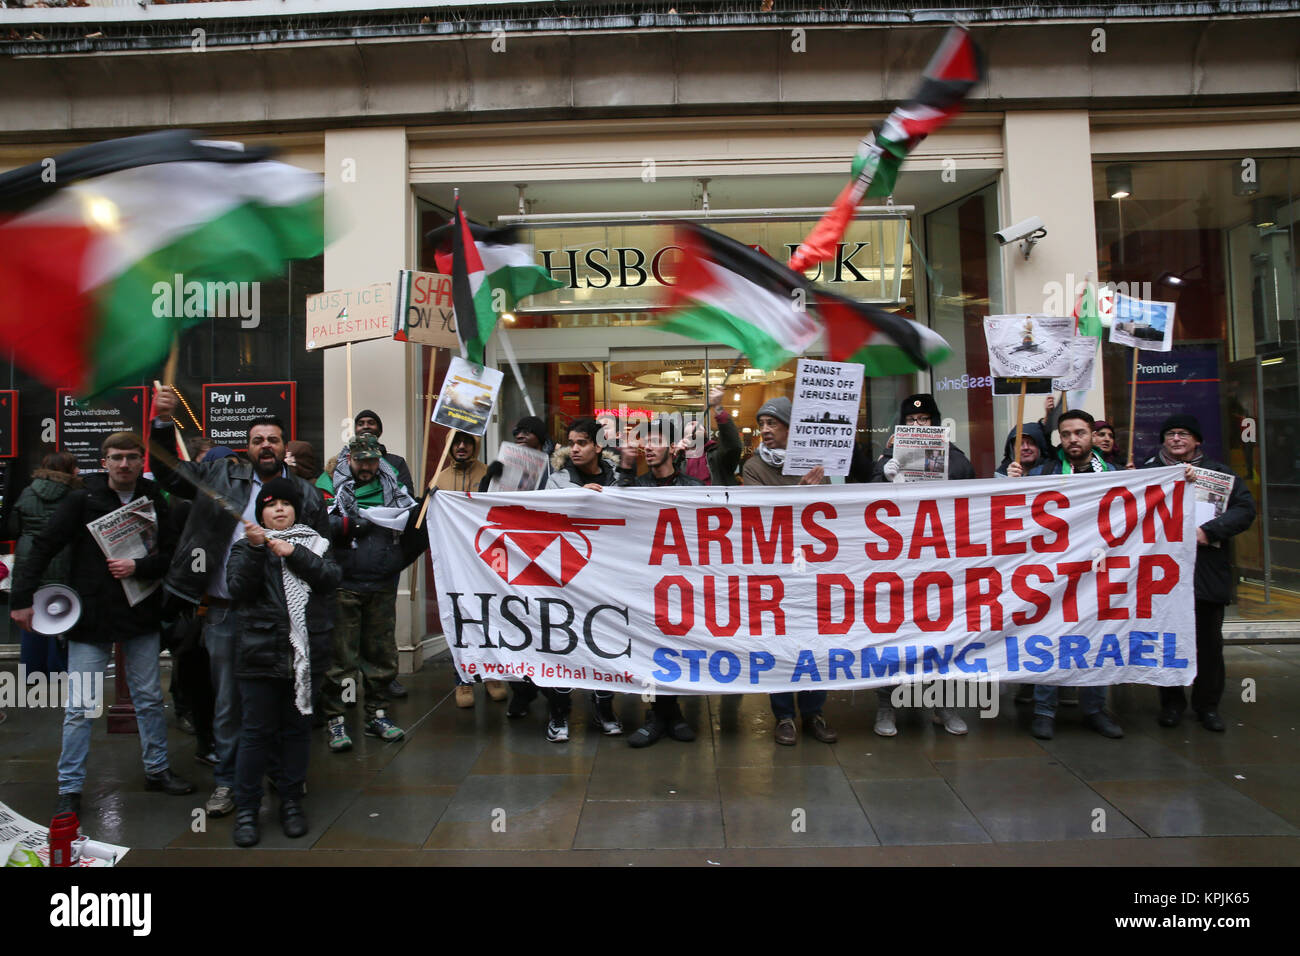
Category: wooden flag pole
[1132,406]
[451,437]
[349,349]
[180,442]
[424,455]
[1020,419]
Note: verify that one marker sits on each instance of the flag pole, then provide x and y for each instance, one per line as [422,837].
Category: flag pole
[1020,418]
[424,455]
[451,437]
[180,442]
[1132,405]
[349,348]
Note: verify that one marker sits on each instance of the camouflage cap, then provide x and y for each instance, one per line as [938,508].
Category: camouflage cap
[364,446]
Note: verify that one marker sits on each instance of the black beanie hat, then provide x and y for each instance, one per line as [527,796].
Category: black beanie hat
[283,488]
[1184,421]
[367,413]
[534,426]
[915,404]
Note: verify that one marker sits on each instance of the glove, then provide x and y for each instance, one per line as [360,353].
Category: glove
[891,469]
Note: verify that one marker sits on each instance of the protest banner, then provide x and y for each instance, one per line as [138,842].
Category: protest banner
[921,452]
[229,408]
[129,532]
[425,314]
[342,316]
[823,417]
[1142,323]
[522,468]
[1083,363]
[1028,346]
[469,393]
[1086,581]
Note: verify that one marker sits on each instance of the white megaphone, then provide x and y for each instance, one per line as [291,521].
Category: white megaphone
[55,609]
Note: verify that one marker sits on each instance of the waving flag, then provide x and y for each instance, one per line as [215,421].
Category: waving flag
[96,243]
[956,68]
[508,264]
[471,296]
[727,292]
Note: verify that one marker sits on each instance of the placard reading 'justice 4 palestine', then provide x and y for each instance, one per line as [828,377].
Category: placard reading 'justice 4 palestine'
[230,407]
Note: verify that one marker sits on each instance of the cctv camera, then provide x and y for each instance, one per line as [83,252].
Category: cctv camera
[1031,228]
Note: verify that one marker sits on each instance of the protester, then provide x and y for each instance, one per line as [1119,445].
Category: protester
[1076,456]
[198,572]
[1034,448]
[107,617]
[581,465]
[665,715]
[919,409]
[371,557]
[465,470]
[764,468]
[1180,442]
[711,461]
[282,577]
[301,457]
[368,422]
[1103,440]
[51,483]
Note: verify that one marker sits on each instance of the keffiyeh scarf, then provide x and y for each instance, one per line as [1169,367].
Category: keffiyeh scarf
[773,456]
[296,593]
[345,489]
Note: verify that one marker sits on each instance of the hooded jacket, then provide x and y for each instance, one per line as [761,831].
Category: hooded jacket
[1035,433]
[462,476]
[565,474]
[31,513]
[1213,575]
[679,479]
[106,615]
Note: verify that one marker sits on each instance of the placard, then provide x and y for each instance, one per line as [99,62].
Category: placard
[425,314]
[469,393]
[1036,346]
[229,407]
[8,423]
[921,452]
[349,315]
[81,427]
[522,468]
[823,417]
[1011,386]
[1143,323]
[1083,363]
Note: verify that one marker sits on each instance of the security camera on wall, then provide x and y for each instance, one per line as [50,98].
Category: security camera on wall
[1027,232]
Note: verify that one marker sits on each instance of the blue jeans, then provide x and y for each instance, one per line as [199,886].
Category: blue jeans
[810,703]
[220,627]
[1091,700]
[86,662]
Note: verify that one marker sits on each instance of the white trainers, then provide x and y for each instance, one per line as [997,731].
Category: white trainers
[885,723]
[557,730]
[950,719]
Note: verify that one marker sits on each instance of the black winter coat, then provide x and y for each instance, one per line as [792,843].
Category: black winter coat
[210,527]
[106,616]
[629,479]
[1214,564]
[255,579]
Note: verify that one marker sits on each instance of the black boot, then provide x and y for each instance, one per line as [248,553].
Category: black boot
[168,783]
[292,819]
[246,831]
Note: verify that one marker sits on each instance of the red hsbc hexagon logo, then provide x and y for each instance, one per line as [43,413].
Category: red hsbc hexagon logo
[534,548]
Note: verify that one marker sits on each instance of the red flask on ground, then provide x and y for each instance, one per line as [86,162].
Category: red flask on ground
[63,830]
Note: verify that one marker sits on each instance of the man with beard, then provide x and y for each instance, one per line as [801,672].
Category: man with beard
[1076,456]
[198,570]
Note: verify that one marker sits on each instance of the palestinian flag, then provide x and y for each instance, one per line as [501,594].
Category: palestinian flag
[508,263]
[1087,313]
[97,246]
[471,296]
[956,68]
[885,343]
[727,292]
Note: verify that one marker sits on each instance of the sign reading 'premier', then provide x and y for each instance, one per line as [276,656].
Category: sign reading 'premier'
[700,590]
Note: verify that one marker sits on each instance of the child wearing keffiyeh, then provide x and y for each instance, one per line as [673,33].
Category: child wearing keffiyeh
[281,578]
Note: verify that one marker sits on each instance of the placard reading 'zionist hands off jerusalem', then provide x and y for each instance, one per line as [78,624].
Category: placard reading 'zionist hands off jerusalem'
[1028,346]
[823,417]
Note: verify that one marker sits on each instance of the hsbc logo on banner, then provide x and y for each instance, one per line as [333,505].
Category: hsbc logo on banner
[532,548]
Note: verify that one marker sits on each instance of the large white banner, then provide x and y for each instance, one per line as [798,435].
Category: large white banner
[1078,580]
